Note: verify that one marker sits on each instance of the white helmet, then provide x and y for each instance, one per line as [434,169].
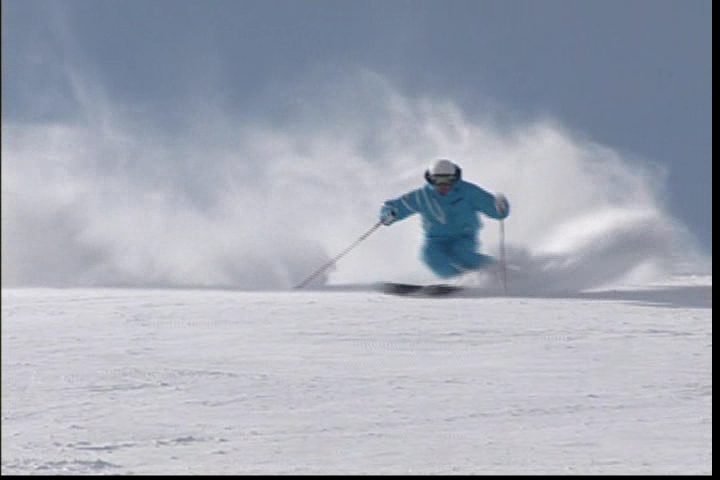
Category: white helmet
[442,167]
[443,170]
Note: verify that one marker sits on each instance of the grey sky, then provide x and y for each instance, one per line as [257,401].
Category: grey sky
[634,75]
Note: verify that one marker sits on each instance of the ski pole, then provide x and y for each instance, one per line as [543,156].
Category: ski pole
[502,255]
[342,254]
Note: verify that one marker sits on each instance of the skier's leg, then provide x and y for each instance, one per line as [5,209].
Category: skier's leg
[435,256]
[463,251]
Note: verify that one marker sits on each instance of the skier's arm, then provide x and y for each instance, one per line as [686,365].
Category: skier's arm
[494,206]
[400,208]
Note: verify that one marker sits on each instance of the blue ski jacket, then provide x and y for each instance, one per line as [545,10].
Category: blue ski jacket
[447,216]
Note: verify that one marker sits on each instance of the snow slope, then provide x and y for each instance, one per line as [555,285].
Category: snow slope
[351,381]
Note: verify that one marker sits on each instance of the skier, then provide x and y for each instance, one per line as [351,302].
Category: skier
[449,208]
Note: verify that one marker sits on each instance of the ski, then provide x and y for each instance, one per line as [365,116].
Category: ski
[433,290]
[400,288]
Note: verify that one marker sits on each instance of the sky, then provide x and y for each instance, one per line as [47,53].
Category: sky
[245,143]
[165,382]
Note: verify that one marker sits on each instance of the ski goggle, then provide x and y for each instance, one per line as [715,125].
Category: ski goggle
[442,179]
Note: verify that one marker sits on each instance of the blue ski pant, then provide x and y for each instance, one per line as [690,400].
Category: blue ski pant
[449,257]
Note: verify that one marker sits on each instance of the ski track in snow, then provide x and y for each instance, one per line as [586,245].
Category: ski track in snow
[355,382]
